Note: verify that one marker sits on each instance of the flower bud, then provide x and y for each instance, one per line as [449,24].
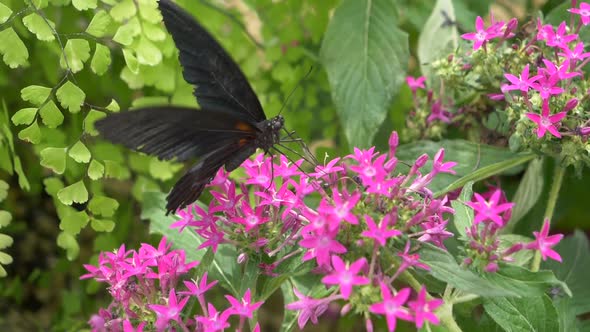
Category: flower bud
[369,325]
[421,161]
[345,309]
[492,267]
[242,258]
[570,105]
[393,143]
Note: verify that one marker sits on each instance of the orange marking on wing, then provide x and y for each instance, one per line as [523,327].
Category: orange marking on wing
[244,126]
[243,142]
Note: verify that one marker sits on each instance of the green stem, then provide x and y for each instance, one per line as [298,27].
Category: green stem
[551,201]
[554,193]
[445,313]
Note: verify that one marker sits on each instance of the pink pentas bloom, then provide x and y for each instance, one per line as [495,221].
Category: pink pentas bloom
[583,11]
[342,207]
[559,38]
[198,287]
[379,233]
[213,321]
[410,260]
[490,209]
[345,275]
[562,71]
[437,112]
[523,82]
[128,327]
[576,54]
[546,86]
[169,311]
[243,307]
[213,238]
[252,218]
[439,166]
[546,122]
[543,242]
[392,306]
[543,30]
[370,171]
[321,245]
[330,168]
[416,83]
[308,307]
[423,310]
[481,34]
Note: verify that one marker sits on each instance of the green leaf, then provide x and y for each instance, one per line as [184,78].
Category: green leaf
[3,190]
[89,121]
[35,94]
[24,116]
[365,56]
[71,97]
[102,205]
[5,13]
[72,222]
[463,218]
[101,60]
[5,219]
[99,24]
[529,314]
[528,193]
[113,169]
[437,40]
[74,193]
[509,281]
[54,158]
[80,153]
[31,134]
[131,61]
[113,106]
[69,243]
[51,115]
[52,186]
[123,10]
[574,270]
[162,169]
[102,225]
[37,25]
[84,4]
[95,170]
[23,182]
[147,53]
[126,32]
[77,51]
[13,50]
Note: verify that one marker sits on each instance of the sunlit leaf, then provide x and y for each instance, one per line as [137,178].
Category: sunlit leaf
[77,52]
[99,24]
[5,13]
[101,60]
[89,121]
[84,4]
[71,97]
[51,115]
[35,94]
[102,205]
[54,158]
[24,116]
[37,25]
[74,193]
[147,52]
[123,10]
[80,153]
[31,134]
[95,170]
[69,243]
[13,50]
[102,225]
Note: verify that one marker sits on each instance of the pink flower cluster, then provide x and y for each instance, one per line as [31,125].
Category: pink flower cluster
[147,294]
[492,213]
[365,207]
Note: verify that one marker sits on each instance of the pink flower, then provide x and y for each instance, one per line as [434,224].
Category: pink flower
[437,112]
[559,37]
[321,245]
[309,308]
[321,171]
[522,82]
[214,321]
[415,83]
[252,218]
[489,210]
[379,233]
[546,86]
[543,242]
[391,306]
[583,11]
[423,309]
[546,122]
[409,260]
[346,275]
[576,54]
[170,311]
[342,208]
[244,307]
[562,71]
[198,288]
[482,35]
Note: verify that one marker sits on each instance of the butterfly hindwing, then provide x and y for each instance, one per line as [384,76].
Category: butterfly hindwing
[175,132]
[219,82]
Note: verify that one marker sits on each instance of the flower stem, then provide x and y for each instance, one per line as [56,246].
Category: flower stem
[445,313]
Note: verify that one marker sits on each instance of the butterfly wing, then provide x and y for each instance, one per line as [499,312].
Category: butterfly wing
[190,186]
[175,132]
[219,82]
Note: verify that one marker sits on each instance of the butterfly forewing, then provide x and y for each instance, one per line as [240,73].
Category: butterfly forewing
[219,82]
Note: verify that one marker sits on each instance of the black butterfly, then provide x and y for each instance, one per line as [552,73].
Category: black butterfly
[228,128]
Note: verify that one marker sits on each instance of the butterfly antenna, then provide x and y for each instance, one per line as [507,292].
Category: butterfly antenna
[295,89]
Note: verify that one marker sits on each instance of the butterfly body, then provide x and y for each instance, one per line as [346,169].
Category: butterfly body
[229,126]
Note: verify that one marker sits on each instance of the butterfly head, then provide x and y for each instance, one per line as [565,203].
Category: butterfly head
[275,124]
